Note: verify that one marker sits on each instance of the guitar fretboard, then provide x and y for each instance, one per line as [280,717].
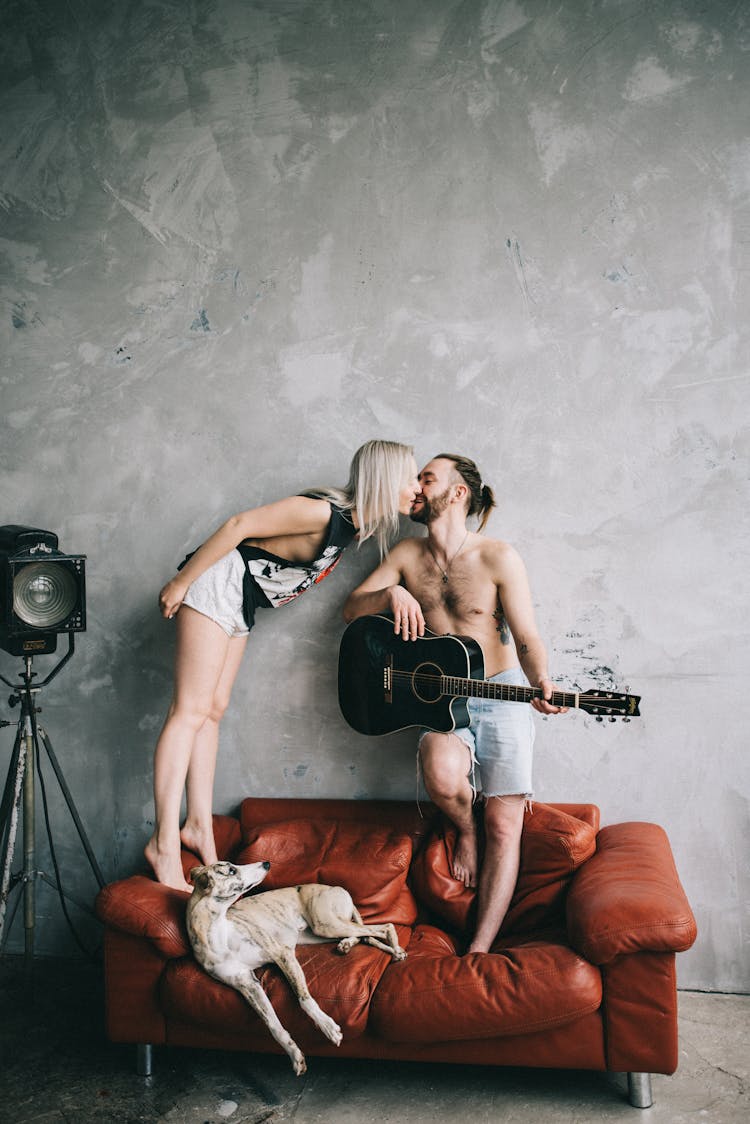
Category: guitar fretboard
[506,692]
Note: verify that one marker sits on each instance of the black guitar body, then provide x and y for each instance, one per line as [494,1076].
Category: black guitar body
[388,684]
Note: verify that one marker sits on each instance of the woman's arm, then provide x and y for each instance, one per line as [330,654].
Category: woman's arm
[383,592]
[297,515]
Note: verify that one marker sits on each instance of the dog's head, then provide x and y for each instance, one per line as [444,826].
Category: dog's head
[226,882]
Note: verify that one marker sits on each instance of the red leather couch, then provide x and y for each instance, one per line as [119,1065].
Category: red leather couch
[582,975]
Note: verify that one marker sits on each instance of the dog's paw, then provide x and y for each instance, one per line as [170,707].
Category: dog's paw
[332,1030]
[299,1064]
[346,945]
[399,953]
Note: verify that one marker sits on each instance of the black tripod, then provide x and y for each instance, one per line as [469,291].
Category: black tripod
[25,763]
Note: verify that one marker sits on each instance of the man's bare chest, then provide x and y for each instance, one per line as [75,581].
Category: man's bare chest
[458,600]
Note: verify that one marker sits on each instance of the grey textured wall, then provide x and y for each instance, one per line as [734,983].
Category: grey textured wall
[239,238]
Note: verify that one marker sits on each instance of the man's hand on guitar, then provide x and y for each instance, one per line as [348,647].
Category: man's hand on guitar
[542,705]
[408,619]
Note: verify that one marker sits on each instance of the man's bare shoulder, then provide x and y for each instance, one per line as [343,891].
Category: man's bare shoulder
[499,556]
[407,549]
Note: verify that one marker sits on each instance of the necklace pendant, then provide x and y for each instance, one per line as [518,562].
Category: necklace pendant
[445,579]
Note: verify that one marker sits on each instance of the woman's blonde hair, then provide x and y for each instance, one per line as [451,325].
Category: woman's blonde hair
[376,476]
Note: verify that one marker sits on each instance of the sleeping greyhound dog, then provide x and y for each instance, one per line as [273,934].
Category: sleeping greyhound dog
[231,938]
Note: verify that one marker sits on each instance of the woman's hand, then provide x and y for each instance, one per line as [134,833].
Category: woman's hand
[172,596]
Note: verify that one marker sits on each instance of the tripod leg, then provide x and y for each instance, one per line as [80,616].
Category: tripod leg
[10,792]
[29,851]
[10,805]
[71,806]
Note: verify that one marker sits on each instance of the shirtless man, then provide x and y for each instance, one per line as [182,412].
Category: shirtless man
[457,581]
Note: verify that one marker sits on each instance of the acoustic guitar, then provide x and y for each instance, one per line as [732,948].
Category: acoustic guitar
[388,684]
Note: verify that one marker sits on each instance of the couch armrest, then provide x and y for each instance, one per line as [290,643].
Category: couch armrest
[144,908]
[628,898]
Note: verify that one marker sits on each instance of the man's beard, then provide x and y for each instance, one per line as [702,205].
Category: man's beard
[431,509]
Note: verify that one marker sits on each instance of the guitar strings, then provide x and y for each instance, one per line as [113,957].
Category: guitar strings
[425,677]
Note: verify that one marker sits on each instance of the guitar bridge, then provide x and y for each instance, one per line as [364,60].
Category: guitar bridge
[388,681]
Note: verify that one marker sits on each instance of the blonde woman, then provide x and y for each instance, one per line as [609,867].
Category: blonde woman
[261,558]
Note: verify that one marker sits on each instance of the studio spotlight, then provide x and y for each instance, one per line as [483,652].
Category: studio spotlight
[42,594]
[42,591]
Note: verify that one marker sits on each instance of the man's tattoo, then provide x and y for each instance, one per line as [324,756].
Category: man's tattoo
[502,625]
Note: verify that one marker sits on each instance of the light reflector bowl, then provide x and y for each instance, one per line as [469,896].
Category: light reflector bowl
[44,594]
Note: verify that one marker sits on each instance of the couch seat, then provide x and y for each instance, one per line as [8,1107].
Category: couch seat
[343,985]
[436,995]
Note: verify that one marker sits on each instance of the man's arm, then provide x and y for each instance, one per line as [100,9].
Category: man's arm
[383,592]
[515,598]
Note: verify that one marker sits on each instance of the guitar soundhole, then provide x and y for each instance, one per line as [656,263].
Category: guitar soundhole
[425,682]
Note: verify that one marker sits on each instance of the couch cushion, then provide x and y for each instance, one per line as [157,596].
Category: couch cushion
[553,846]
[369,860]
[342,985]
[437,996]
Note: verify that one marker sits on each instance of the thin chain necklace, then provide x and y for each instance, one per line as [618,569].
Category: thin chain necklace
[444,572]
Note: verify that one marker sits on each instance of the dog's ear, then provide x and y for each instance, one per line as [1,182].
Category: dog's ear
[200,876]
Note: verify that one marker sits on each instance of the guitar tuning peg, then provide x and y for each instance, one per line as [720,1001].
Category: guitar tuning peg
[612,718]
[626,719]
[599,718]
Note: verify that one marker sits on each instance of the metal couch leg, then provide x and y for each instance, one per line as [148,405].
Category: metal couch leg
[639,1090]
[145,1059]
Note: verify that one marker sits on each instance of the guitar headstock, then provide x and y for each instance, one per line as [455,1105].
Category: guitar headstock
[610,704]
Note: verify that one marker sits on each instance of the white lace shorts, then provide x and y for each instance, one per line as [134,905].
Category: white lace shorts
[217,594]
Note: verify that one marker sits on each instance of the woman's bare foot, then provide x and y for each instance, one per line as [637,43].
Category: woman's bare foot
[465,858]
[166,867]
[201,843]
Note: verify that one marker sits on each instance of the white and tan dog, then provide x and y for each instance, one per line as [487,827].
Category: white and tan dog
[232,937]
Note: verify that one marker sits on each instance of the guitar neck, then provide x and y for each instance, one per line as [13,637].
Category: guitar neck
[505,692]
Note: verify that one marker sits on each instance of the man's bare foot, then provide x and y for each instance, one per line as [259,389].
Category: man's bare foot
[465,858]
[166,867]
[200,843]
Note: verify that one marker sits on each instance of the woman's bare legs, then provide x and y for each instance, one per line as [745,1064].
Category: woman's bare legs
[197,833]
[202,654]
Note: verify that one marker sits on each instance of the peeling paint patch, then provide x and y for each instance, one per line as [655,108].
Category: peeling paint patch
[201,324]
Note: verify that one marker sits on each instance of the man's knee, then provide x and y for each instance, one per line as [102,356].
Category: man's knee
[446,763]
[503,818]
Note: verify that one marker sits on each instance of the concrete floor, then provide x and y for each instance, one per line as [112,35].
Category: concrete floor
[57,1066]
